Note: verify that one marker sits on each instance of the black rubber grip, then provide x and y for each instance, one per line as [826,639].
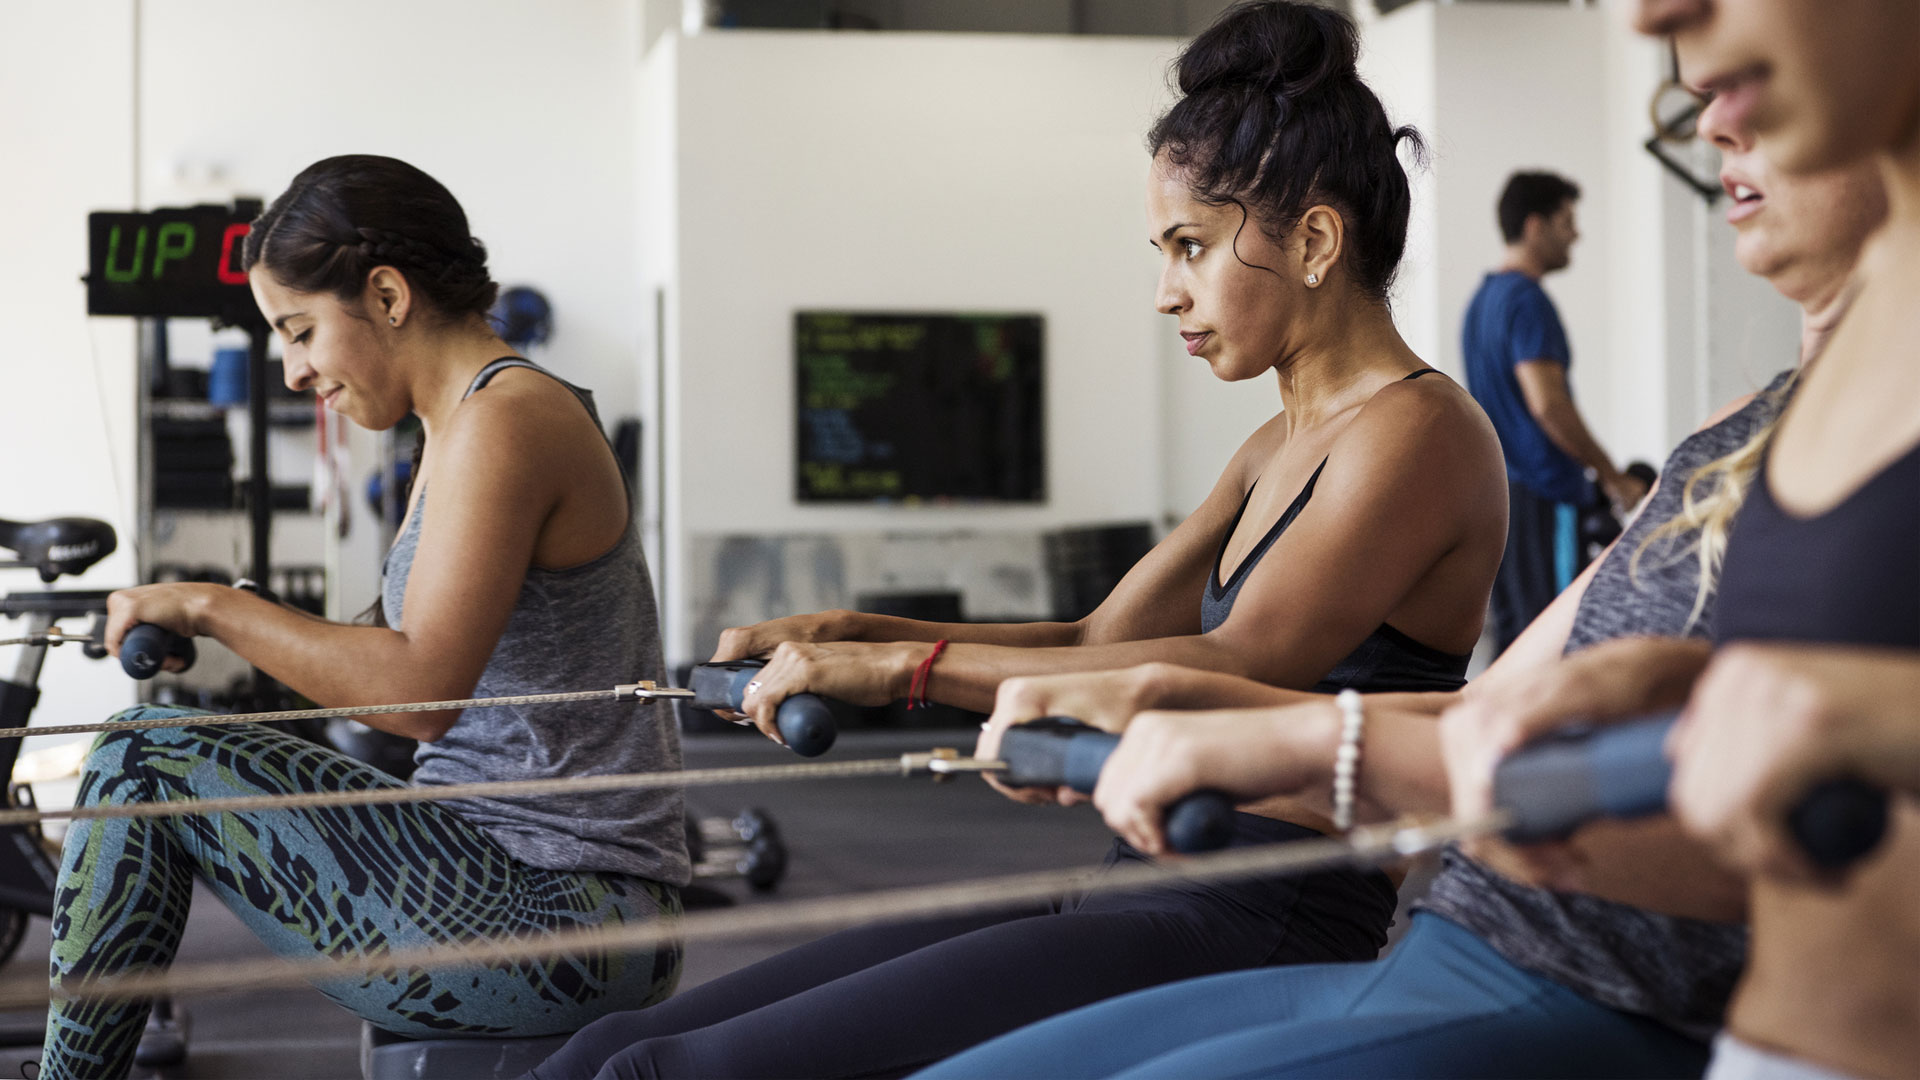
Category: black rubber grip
[1839,822]
[1058,752]
[804,720]
[1556,784]
[145,649]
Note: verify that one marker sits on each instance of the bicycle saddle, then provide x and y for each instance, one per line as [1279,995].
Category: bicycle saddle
[59,546]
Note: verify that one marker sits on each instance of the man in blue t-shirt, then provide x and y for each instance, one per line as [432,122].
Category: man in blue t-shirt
[1517,358]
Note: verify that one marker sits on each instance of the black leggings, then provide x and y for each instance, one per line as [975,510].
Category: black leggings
[889,999]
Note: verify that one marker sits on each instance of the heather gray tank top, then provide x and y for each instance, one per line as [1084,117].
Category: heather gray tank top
[1680,972]
[586,627]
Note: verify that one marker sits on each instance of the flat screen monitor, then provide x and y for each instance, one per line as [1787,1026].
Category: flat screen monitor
[913,408]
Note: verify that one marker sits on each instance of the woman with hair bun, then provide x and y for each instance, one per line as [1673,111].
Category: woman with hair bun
[1351,542]
[1612,954]
[518,534]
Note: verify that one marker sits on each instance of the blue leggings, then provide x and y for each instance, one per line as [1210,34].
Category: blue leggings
[349,881]
[1441,1004]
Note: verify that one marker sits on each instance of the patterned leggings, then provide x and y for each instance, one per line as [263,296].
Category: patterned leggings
[341,882]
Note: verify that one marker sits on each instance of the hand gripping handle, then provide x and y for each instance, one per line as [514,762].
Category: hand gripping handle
[1056,752]
[804,719]
[1556,784]
[147,646]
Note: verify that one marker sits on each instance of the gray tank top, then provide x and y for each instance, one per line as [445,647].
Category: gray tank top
[586,627]
[1680,972]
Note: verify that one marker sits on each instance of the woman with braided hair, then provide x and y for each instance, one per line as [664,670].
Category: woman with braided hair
[517,569]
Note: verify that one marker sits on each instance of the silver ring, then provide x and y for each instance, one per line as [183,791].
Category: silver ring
[751,688]
[985,724]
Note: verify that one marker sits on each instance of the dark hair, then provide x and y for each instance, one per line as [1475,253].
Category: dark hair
[1275,119]
[344,216]
[1530,193]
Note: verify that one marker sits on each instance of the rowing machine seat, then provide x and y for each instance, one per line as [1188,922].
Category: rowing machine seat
[58,546]
[386,1056]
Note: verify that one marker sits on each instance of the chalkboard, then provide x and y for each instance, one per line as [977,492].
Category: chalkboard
[901,407]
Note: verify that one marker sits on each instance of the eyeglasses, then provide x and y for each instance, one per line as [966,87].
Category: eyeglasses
[1675,111]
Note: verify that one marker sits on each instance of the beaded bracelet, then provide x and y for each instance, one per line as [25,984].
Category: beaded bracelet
[1346,762]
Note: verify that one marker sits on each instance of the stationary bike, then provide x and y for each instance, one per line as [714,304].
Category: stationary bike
[62,546]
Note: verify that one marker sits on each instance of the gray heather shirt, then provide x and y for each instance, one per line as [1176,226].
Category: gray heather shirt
[587,627]
[1679,972]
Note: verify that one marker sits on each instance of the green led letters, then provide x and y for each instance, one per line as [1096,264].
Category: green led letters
[116,274]
[175,242]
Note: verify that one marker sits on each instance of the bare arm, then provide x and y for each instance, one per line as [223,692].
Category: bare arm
[1543,383]
[1253,754]
[1768,721]
[1158,597]
[488,506]
[1390,505]
[1648,864]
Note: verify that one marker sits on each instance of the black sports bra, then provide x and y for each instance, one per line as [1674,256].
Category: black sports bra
[1848,575]
[1387,660]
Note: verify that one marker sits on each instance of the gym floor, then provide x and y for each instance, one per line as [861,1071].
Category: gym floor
[844,836]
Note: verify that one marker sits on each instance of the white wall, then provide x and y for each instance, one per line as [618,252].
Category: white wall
[527,113]
[66,385]
[1691,330]
[1643,257]
[1665,326]
[909,172]
[1399,62]
[657,240]
[890,170]
[1520,86]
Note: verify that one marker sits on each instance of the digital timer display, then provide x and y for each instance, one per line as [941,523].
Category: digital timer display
[177,262]
[911,408]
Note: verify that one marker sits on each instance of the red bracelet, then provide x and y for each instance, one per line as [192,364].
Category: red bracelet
[917,692]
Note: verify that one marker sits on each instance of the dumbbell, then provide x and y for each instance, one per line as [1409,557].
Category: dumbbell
[145,649]
[803,719]
[1556,784]
[1060,752]
[747,846]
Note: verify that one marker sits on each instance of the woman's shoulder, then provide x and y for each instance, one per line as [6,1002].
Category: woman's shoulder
[1413,412]
[520,400]
[1418,436]
[521,420]
[1259,448]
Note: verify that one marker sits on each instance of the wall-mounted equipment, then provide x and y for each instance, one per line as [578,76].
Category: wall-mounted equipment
[909,408]
[175,262]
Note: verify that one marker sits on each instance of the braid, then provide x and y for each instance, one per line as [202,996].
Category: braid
[447,276]
[345,216]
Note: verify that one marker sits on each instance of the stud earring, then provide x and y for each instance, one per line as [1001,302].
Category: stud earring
[1313,279]
[393,320]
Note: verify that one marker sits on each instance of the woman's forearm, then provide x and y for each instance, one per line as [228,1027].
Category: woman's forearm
[334,664]
[968,675]
[1172,686]
[861,626]
[1400,770]
[1655,865]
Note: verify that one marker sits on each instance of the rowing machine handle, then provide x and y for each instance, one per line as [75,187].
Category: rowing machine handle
[1553,785]
[804,719]
[1057,752]
[145,649]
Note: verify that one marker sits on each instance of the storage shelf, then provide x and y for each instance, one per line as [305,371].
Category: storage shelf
[279,411]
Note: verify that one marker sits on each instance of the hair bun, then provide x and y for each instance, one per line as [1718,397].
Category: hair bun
[1275,119]
[1289,50]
